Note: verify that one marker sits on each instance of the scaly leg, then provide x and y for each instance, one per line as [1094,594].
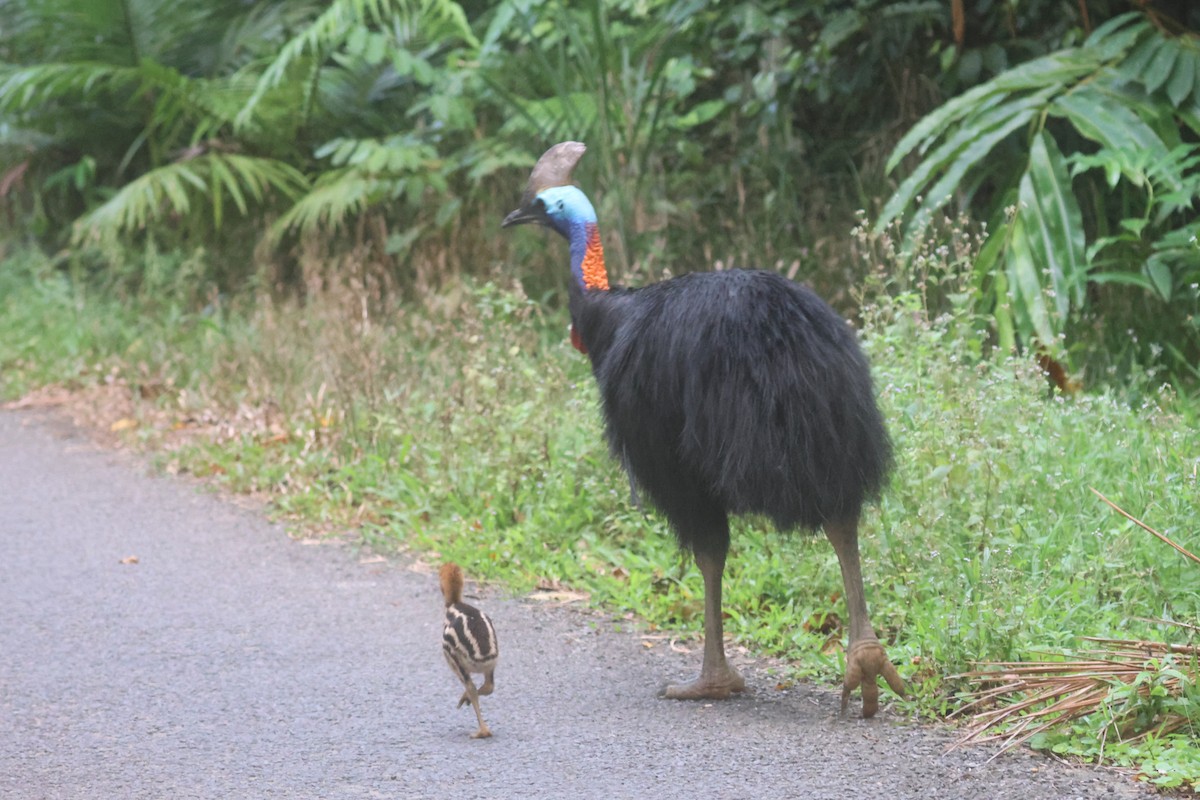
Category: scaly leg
[717,679]
[489,682]
[489,685]
[470,694]
[866,658]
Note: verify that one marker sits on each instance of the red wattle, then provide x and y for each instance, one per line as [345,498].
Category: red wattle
[577,342]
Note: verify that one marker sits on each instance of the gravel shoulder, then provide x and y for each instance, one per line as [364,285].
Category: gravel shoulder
[159,641]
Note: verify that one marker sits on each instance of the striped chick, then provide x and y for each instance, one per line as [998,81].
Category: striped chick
[469,643]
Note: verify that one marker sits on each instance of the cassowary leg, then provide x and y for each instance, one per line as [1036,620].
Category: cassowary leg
[471,694]
[866,658]
[717,679]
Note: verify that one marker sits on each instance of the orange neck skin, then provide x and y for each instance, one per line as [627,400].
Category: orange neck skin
[587,264]
[591,271]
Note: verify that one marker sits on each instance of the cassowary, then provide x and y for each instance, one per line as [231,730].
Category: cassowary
[733,392]
[469,644]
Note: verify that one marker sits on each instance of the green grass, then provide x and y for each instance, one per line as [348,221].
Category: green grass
[464,426]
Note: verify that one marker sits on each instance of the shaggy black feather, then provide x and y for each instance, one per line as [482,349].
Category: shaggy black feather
[735,392]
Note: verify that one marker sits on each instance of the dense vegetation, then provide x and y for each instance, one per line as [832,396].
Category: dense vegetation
[381,137]
[272,229]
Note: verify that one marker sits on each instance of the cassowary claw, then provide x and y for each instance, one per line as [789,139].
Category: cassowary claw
[866,660]
[707,687]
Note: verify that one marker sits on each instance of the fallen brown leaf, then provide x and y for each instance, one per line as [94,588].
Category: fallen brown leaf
[564,596]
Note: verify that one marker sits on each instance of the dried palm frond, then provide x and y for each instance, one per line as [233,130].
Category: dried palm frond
[1016,700]
[1053,693]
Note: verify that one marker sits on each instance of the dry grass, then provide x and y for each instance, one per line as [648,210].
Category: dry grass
[1015,701]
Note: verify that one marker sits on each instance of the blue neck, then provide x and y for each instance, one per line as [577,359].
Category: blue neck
[570,212]
[577,236]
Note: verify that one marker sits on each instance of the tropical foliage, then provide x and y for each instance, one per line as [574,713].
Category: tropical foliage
[386,136]
[1102,185]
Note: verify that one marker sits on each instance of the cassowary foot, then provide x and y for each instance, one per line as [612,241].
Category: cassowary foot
[482,733]
[711,685]
[866,660]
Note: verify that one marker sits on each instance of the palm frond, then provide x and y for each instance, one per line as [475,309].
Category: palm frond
[25,90]
[177,188]
[436,20]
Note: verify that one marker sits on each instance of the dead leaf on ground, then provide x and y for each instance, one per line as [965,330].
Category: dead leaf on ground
[826,623]
[123,424]
[561,596]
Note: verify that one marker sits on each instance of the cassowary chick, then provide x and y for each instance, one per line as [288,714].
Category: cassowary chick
[469,643]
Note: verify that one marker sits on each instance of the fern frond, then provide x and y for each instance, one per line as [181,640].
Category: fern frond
[366,172]
[434,19]
[338,196]
[176,188]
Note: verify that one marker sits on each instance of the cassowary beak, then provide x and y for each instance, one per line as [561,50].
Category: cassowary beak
[552,169]
[522,216]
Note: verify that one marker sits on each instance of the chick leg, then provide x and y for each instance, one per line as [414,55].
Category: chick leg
[866,658]
[489,685]
[470,694]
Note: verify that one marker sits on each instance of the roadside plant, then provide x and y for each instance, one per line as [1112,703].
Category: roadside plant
[1087,162]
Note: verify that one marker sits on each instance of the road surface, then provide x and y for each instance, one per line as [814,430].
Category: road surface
[157,641]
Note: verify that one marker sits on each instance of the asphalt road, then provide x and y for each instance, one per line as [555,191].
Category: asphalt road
[230,661]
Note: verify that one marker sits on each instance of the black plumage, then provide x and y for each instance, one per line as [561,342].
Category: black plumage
[723,393]
[739,389]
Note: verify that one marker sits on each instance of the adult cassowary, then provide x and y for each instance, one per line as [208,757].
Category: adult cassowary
[734,392]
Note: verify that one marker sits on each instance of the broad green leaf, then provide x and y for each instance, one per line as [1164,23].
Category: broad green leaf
[1126,278]
[1006,330]
[1195,109]
[1046,252]
[377,47]
[1104,33]
[1055,223]
[1059,68]
[1134,67]
[965,148]
[1160,277]
[1110,124]
[1025,288]
[1179,87]
[986,278]
[1134,225]
[1160,67]
[700,114]
[1047,72]
[939,194]
[1111,161]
